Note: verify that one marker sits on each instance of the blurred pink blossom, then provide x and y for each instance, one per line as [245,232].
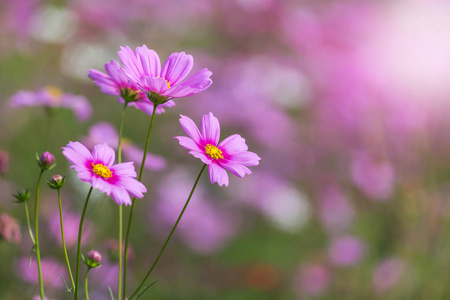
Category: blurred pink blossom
[312,279]
[374,178]
[71,224]
[387,274]
[53,97]
[335,212]
[50,272]
[346,251]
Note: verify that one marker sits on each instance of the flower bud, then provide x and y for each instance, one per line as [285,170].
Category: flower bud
[56,182]
[46,161]
[9,229]
[22,196]
[93,259]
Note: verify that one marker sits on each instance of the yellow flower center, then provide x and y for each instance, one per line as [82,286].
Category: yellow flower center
[101,170]
[54,91]
[213,151]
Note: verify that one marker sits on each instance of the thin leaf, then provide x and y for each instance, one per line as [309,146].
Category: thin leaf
[111,293]
[68,289]
[146,288]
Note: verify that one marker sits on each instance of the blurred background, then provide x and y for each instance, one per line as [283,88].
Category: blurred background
[346,102]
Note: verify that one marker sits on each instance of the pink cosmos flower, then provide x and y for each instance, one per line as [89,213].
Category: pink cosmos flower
[99,170]
[143,67]
[115,83]
[231,154]
[53,97]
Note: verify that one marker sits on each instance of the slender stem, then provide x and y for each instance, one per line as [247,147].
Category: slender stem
[125,265]
[28,223]
[86,284]
[80,231]
[64,240]
[36,229]
[170,235]
[119,150]
[119,291]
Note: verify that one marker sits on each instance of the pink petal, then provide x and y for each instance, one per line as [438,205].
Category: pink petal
[151,63]
[115,71]
[177,67]
[188,143]
[120,196]
[106,83]
[180,91]
[233,144]
[191,129]
[77,154]
[133,187]
[132,64]
[124,169]
[104,154]
[246,158]
[210,129]
[237,169]
[218,174]
[202,156]
[199,81]
[154,84]
[101,184]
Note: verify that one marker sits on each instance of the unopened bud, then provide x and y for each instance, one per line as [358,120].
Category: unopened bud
[46,161]
[93,259]
[56,182]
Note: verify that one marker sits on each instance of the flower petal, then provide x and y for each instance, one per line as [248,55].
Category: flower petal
[132,63]
[217,174]
[188,143]
[124,169]
[236,169]
[177,67]
[105,82]
[101,184]
[233,144]
[246,158]
[199,81]
[210,129]
[154,84]
[104,154]
[77,154]
[151,63]
[134,187]
[202,156]
[191,129]
[120,196]
[115,71]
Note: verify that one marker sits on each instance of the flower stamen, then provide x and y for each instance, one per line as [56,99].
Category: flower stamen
[213,151]
[101,170]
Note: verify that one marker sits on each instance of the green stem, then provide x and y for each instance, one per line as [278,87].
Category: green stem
[119,159]
[28,223]
[80,230]
[141,171]
[36,228]
[170,235]
[64,240]
[86,284]
[119,148]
